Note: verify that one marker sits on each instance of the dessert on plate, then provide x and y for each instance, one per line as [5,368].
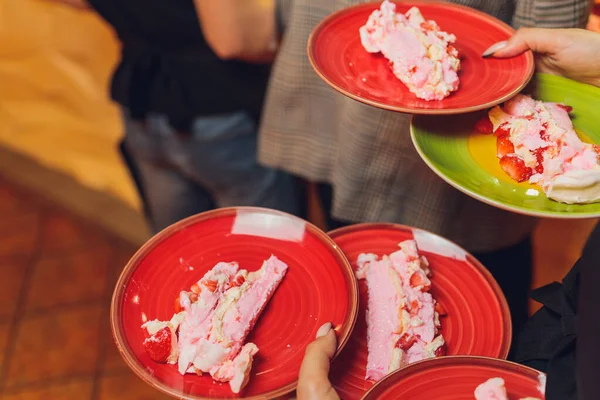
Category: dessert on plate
[421,55]
[403,323]
[213,319]
[536,142]
[494,389]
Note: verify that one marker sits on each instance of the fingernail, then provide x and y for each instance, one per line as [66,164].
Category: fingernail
[324,330]
[494,48]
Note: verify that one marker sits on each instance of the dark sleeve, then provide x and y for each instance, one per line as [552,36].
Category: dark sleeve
[588,321]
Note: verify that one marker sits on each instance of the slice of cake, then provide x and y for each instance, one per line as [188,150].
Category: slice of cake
[421,55]
[536,142]
[494,389]
[402,316]
[212,321]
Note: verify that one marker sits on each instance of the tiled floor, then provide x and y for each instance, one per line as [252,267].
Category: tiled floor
[57,275]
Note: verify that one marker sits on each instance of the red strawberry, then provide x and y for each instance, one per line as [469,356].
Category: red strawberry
[406,341]
[484,125]
[502,131]
[414,307]
[238,281]
[539,156]
[440,309]
[196,288]
[568,109]
[440,351]
[419,279]
[597,149]
[504,146]
[210,285]
[515,167]
[158,346]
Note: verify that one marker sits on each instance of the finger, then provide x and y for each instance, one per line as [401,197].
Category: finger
[313,382]
[537,39]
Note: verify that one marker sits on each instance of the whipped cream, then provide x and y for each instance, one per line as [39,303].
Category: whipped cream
[576,187]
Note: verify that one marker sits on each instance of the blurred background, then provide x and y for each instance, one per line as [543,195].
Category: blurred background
[69,213]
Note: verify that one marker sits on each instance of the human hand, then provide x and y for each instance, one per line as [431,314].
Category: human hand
[313,382]
[572,53]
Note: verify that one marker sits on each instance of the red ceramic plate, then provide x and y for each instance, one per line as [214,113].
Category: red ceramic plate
[319,287]
[455,378]
[478,321]
[337,55]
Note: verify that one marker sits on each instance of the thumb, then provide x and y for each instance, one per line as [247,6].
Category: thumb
[313,382]
[536,39]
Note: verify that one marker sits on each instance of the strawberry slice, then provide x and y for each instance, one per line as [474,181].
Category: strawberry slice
[504,146]
[568,109]
[515,167]
[158,346]
[419,279]
[406,341]
[502,131]
[597,149]
[440,351]
[484,125]
[539,156]
[196,288]
[440,309]
[238,281]
[210,285]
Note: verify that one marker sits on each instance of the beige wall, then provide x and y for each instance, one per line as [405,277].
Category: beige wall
[55,65]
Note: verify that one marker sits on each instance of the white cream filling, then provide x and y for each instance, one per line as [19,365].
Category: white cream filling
[576,187]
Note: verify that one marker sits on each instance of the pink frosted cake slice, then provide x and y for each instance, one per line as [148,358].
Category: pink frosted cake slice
[494,389]
[421,55]
[217,315]
[536,142]
[402,317]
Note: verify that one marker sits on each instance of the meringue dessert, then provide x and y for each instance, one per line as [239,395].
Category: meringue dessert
[403,324]
[536,143]
[212,320]
[421,55]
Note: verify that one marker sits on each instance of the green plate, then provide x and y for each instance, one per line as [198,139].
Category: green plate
[467,160]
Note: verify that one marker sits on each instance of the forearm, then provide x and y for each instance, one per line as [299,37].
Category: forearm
[241,29]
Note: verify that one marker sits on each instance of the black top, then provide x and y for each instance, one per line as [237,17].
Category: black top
[561,339]
[167,66]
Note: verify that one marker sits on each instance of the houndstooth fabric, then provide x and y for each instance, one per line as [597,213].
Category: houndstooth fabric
[312,131]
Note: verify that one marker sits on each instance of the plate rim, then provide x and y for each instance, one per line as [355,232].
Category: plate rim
[408,110]
[150,244]
[451,360]
[335,233]
[494,203]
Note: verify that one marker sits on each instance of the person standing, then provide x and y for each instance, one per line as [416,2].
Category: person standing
[190,114]
[362,157]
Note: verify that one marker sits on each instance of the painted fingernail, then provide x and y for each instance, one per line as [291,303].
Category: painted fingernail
[494,48]
[324,329]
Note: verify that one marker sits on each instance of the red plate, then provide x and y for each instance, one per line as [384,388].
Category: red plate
[319,287]
[478,321]
[337,55]
[455,378]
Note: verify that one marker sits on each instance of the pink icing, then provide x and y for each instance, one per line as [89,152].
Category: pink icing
[397,310]
[420,54]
